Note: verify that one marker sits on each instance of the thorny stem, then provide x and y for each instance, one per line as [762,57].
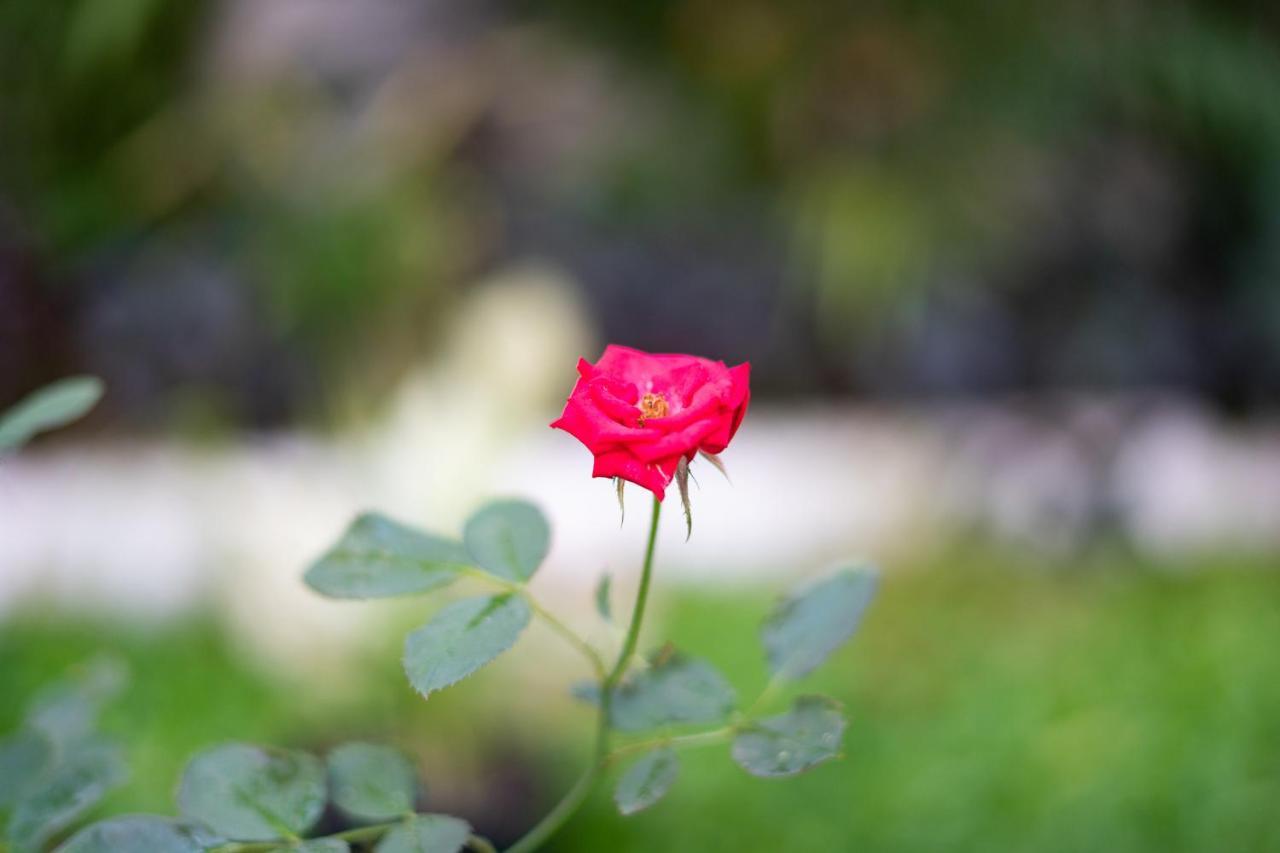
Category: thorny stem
[573,800]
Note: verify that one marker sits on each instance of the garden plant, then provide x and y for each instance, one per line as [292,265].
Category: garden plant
[645,419]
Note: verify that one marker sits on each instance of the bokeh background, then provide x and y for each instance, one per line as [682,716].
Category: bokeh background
[1008,276]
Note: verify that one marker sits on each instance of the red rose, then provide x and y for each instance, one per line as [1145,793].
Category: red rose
[639,413]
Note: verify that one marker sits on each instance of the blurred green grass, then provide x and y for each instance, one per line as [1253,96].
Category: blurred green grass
[1113,706]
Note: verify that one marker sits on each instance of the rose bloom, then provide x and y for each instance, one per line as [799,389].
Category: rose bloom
[640,413]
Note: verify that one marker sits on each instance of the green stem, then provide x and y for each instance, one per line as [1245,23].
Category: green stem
[712,737]
[573,800]
[573,638]
[365,833]
[597,663]
[637,613]
[358,835]
[480,844]
[766,696]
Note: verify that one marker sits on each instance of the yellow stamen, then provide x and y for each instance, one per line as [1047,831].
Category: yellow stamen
[652,406]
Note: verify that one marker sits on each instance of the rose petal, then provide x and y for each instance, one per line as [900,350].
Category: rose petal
[704,404]
[622,464]
[629,365]
[680,382]
[596,430]
[683,442]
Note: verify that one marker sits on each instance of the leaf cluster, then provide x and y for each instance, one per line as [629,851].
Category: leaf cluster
[507,541]
[243,798]
[57,765]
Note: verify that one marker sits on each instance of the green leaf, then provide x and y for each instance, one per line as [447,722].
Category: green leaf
[24,756]
[372,782]
[141,833]
[461,638]
[602,598]
[673,691]
[321,845]
[48,408]
[378,557]
[621,485]
[67,711]
[806,628]
[809,734]
[64,793]
[427,833]
[509,539]
[248,793]
[646,781]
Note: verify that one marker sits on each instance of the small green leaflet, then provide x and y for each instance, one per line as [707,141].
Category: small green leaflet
[621,485]
[48,408]
[806,628]
[427,833]
[807,735]
[64,793]
[378,557]
[24,757]
[646,781]
[250,793]
[371,782]
[674,691]
[141,833]
[602,598]
[67,710]
[508,539]
[461,638]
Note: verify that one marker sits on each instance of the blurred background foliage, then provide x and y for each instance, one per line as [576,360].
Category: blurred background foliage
[255,209]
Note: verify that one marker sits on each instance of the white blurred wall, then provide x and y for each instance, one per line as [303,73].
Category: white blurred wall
[158,528]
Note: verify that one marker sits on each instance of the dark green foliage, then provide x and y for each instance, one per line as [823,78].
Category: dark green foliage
[791,743]
[50,407]
[141,833]
[508,539]
[430,833]
[461,638]
[378,557]
[676,691]
[646,781]
[807,627]
[249,793]
[57,766]
[371,782]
